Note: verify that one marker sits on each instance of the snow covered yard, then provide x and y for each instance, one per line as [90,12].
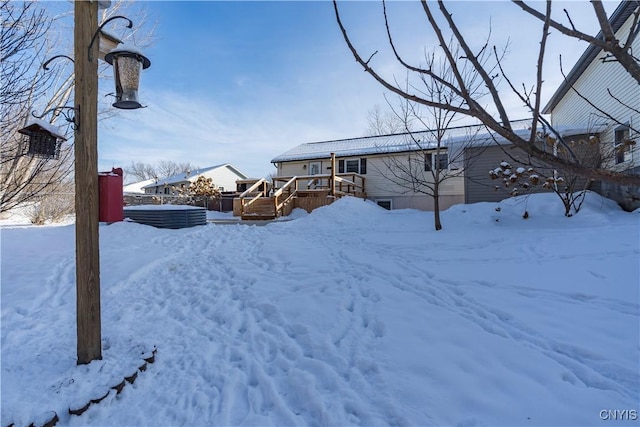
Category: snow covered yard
[351,315]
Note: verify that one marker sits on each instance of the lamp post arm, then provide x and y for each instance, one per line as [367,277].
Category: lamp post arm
[44,66]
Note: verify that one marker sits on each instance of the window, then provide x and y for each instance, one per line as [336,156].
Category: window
[387,204]
[353,166]
[430,159]
[315,168]
[621,146]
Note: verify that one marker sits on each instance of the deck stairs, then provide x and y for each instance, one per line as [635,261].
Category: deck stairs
[262,208]
[263,201]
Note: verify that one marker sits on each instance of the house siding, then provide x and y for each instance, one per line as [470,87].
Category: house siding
[478,185]
[379,187]
[593,85]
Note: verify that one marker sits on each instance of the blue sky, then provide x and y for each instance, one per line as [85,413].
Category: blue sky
[242,82]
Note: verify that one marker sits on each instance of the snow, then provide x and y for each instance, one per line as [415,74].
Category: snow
[350,315]
[52,129]
[163,207]
[456,139]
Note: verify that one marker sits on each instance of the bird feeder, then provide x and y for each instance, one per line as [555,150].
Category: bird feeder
[43,139]
[127,63]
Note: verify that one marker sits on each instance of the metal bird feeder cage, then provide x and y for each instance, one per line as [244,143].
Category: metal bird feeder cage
[127,63]
[43,141]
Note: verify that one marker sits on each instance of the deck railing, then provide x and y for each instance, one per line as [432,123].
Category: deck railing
[257,190]
[343,184]
[283,197]
[286,188]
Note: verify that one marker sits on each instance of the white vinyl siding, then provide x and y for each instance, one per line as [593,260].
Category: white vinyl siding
[379,187]
[593,84]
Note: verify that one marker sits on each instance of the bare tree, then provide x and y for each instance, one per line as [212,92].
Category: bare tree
[433,158]
[480,107]
[384,122]
[159,170]
[24,83]
[523,176]
[30,82]
[140,171]
[165,168]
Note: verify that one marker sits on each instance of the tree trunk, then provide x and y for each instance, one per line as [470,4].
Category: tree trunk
[436,207]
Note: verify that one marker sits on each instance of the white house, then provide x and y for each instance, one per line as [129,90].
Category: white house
[610,88]
[224,177]
[137,187]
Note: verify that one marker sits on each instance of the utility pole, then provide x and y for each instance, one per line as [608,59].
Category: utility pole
[86,183]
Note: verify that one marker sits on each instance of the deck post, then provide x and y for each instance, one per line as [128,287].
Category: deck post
[332,184]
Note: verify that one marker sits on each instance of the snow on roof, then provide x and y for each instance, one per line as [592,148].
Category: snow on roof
[52,129]
[402,142]
[192,176]
[137,187]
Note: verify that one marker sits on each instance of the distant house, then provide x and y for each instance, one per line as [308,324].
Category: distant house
[606,84]
[137,187]
[224,177]
[465,154]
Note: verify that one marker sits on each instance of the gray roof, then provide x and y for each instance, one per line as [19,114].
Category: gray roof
[456,138]
[617,19]
[393,143]
[355,146]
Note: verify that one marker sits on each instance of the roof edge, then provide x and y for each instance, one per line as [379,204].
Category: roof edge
[617,19]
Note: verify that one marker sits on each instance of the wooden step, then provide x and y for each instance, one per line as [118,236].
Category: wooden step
[262,208]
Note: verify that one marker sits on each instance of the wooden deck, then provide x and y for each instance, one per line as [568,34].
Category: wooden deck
[268,200]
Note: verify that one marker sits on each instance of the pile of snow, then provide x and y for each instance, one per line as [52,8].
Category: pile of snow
[350,315]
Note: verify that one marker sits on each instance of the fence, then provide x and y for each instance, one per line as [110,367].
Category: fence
[224,203]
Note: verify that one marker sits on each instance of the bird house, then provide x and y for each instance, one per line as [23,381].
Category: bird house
[43,139]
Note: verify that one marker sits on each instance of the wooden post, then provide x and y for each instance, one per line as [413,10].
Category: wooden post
[332,185]
[86,176]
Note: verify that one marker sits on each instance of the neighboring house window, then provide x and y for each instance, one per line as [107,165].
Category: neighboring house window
[387,204]
[353,166]
[430,160]
[166,190]
[621,146]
